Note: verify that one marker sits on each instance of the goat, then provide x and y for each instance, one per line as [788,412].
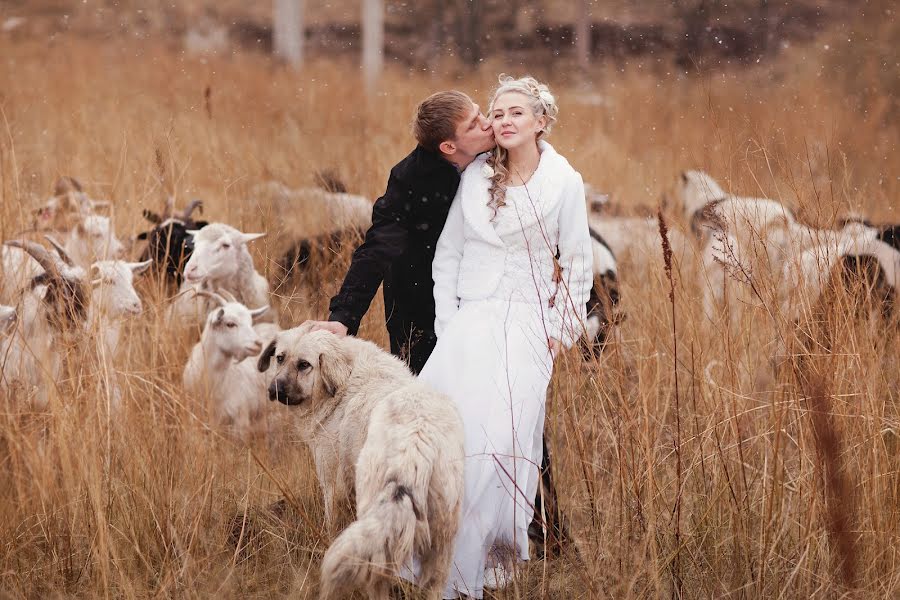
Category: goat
[603,299]
[860,263]
[220,261]
[738,235]
[114,297]
[340,209]
[112,300]
[54,304]
[93,238]
[333,220]
[217,368]
[169,245]
[68,206]
[860,252]
[636,241]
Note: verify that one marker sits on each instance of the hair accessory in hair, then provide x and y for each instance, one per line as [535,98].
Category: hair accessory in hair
[487,170]
[546,97]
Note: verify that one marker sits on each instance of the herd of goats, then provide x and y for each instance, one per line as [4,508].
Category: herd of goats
[76,282]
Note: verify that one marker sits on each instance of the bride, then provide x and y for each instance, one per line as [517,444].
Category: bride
[512,272]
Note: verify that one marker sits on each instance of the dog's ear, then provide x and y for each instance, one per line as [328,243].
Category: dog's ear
[266,357]
[334,367]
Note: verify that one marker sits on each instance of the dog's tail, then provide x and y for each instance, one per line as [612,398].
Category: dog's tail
[376,545]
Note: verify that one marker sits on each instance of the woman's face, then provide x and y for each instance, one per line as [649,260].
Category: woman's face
[514,122]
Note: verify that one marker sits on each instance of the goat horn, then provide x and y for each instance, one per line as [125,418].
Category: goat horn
[38,253]
[212,296]
[228,295]
[60,250]
[190,208]
[169,210]
[66,184]
[152,216]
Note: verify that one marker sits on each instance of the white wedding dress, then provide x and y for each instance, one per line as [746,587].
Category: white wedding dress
[498,304]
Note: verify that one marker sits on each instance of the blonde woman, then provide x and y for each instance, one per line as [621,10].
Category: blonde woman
[512,274]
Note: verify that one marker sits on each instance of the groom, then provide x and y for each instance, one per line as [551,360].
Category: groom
[399,246]
[406,222]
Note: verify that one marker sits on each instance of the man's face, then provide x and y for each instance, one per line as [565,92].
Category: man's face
[474,135]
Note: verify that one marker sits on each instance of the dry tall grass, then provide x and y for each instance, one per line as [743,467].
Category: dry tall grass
[751,483]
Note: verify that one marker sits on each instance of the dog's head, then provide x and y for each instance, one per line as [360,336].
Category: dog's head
[309,366]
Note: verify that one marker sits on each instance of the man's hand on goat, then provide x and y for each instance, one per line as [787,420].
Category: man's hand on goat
[335,327]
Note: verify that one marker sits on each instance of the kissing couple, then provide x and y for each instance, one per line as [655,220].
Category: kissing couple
[481,242]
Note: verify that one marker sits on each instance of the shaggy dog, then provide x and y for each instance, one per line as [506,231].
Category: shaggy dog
[373,429]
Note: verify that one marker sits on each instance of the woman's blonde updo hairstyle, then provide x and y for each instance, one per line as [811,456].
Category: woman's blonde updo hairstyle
[542,102]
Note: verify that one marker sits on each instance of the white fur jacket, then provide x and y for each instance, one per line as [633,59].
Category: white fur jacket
[515,254]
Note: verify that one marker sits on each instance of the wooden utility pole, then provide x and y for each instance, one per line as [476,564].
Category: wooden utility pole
[288,31]
[373,42]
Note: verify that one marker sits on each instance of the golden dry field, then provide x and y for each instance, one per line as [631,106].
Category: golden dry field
[688,465]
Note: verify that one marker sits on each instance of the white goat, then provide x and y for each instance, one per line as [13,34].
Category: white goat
[739,235]
[636,240]
[114,296]
[66,207]
[706,205]
[341,209]
[112,300]
[54,303]
[92,239]
[812,269]
[219,371]
[220,261]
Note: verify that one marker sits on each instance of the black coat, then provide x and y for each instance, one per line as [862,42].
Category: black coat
[399,248]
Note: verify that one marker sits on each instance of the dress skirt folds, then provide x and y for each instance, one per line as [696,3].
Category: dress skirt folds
[494,363]
[505,283]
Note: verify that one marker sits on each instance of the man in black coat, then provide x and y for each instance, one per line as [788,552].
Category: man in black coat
[406,222]
[399,246]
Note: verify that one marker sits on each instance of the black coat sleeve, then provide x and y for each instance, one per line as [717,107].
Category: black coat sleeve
[385,241]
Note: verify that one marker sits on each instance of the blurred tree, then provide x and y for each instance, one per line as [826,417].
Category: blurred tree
[470,16]
[288,31]
[373,41]
[583,35]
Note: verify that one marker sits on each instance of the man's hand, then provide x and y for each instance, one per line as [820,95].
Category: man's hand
[335,327]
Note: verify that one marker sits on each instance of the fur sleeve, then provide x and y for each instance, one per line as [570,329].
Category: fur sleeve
[445,268]
[576,263]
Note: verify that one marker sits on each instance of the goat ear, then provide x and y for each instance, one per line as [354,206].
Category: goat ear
[334,368]
[192,231]
[140,267]
[249,237]
[259,312]
[219,316]
[262,365]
